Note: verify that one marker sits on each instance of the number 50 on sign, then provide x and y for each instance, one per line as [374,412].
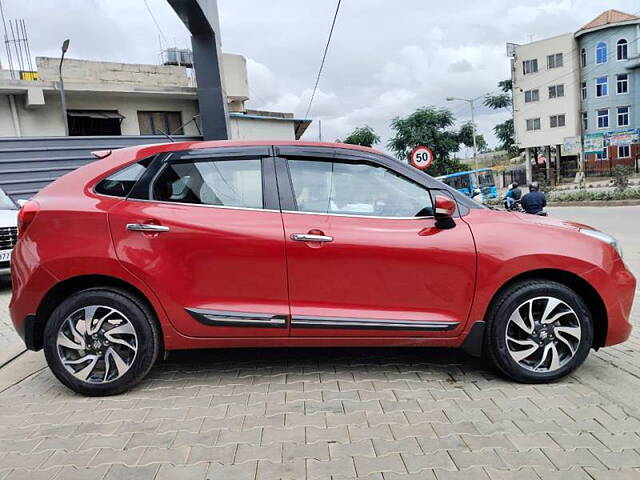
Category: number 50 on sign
[421,157]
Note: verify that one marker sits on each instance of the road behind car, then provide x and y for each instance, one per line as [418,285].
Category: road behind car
[371,413]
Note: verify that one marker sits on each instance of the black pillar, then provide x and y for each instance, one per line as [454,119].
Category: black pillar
[201,18]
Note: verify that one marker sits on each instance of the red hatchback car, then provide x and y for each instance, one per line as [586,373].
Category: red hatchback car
[295,244]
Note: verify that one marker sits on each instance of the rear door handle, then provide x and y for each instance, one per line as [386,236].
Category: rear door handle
[308,237]
[147,227]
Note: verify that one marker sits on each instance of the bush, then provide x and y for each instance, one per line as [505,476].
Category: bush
[620,176]
[584,196]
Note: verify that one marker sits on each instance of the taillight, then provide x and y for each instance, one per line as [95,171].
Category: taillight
[26,215]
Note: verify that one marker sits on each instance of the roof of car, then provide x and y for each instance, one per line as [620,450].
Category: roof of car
[144,150]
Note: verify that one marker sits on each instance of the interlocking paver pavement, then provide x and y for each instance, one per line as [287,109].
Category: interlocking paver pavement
[379,414]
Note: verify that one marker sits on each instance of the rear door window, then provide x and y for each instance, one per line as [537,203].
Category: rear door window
[229,183]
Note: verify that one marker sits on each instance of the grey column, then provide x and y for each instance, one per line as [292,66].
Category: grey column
[558,159]
[201,18]
[547,155]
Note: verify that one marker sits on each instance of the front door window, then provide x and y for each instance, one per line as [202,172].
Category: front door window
[356,189]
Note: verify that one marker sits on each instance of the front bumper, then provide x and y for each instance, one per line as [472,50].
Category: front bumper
[617,287]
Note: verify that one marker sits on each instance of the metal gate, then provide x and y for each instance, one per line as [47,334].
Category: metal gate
[28,164]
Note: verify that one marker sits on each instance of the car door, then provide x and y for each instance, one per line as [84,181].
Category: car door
[364,254]
[203,229]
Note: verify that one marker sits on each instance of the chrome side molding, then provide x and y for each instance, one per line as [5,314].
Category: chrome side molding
[303,321]
[223,318]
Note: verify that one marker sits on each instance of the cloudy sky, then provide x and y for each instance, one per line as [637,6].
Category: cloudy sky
[386,58]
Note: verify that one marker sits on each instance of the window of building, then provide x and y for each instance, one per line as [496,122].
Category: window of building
[531,96]
[602,87]
[160,123]
[603,118]
[356,189]
[556,121]
[601,53]
[119,184]
[94,122]
[229,183]
[583,90]
[530,66]
[583,57]
[554,61]
[624,151]
[533,124]
[603,155]
[622,83]
[556,91]
[622,49]
[585,121]
[623,116]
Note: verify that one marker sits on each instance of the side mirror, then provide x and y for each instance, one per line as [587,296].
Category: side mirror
[21,202]
[444,209]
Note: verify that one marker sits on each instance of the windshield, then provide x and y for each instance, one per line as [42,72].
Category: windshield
[5,202]
[485,179]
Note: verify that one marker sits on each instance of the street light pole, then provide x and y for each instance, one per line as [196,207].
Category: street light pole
[63,100]
[475,145]
[473,125]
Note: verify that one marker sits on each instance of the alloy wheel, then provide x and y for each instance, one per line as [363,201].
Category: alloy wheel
[97,344]
[543,334]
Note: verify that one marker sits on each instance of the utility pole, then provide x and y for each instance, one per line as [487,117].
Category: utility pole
[473,124]
[63,100]
[473,129]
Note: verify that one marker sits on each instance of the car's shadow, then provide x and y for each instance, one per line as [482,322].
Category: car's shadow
[382,363]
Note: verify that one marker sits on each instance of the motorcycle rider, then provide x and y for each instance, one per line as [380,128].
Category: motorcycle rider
[534,201]
[513,194]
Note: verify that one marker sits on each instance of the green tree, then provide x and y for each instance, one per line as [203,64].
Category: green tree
[431,127]
[364,136]
[465,135]
[504,131]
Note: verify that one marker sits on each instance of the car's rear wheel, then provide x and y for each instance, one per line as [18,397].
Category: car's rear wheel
[101,341]
[538,331]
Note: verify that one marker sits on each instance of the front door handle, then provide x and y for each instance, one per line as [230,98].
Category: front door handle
[309,237]
[147,227]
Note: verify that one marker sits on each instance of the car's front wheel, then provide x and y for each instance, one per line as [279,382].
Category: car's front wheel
[101,341]
[538,331]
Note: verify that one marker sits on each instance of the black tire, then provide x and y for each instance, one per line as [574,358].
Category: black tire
[507,302]
[139,315]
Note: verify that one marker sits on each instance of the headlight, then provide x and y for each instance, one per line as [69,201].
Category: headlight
[605,238]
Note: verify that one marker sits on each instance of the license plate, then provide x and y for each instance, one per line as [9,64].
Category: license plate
[5,255]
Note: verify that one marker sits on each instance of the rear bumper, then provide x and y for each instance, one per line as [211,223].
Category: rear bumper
[617,287]
[30,282]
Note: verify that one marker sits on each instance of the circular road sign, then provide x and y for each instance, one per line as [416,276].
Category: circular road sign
[421,157]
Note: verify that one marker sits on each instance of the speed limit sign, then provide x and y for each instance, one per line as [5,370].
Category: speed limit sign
[421,157]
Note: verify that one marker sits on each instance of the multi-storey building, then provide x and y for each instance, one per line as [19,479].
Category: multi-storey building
[610,88]
[546,99]
[576,96]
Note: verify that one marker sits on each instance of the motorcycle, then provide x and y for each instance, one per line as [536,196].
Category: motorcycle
[516,206]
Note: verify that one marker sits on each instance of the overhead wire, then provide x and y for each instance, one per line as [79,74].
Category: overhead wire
[324,57]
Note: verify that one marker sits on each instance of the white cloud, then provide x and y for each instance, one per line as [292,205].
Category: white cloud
[386,58]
